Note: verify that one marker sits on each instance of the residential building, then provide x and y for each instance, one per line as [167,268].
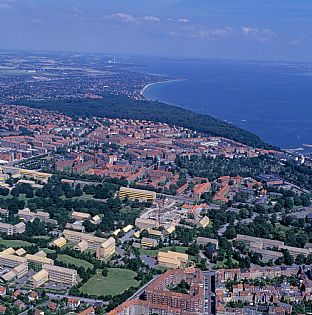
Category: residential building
[172,259]
[106,249]
[62,275]
[137,194]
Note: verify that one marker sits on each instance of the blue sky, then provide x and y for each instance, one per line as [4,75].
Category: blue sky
[238,29]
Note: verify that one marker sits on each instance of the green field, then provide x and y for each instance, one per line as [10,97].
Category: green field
[75,261]
[154,252]
[48,250]
[116,282]
[69,245]
[15,243]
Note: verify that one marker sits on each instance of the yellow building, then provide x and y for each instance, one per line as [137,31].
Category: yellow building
[20,252]
[12,261]
[62,275]
[80,216]
[172,259]
[127,228]
[39,278]
[107,249]
[20,172]
[148,242]
[36,262]
[21,270]
[81,246]
[143,224]
[116,232]
[137,194]
[96,220]
[170,229]
[76,237]
[9,251]
[204,222]
[59,242]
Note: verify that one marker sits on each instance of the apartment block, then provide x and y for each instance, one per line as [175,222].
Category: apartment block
[143,224]
[148,242]
[59,242]
[106,249]
[10,229]
[137,194]
[80,216]
[12,261]
[36,262]
[39,278]
[172,260]
[76,237]
[62,275]
[161,301]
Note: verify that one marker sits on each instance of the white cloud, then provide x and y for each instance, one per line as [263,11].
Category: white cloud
[294,42]
[262,35]
[204,32]
[151,18]
[124,17]
[183,20]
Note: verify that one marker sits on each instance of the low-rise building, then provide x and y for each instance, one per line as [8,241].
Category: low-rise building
[39,278]
[80,216]
[36,262]
[148,242]
[62,275]
[59,242]
[172,259]
[137,194]
[106,249]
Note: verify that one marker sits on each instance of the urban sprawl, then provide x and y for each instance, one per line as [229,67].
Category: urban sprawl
[124,216]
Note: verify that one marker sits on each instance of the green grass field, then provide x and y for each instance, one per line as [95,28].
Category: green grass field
[75,261]
[154,252]
[116,282]
[48,250]
[14,243]
[69,245]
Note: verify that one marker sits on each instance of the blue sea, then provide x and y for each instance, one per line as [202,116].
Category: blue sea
[274,100]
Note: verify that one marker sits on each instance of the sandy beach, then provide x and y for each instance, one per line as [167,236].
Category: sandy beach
[159,82]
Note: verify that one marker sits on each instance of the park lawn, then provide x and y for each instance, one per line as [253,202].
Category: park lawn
[48,250]
[74,261]
[154,252]
[221,264]
[69,245]
[117,281]
[15,243]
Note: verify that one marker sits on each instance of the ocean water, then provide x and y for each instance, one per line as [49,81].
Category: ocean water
[274,100]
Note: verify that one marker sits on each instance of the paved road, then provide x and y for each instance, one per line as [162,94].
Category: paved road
[127,236]
[85,300]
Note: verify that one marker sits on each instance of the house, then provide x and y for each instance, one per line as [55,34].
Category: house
[19,304]
[2,309]
[52,306]
[2,291]
[88,311]
[33,296]
[73,303]
[38,312]
[16,293]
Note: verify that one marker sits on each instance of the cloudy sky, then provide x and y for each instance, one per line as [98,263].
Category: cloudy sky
[238,29]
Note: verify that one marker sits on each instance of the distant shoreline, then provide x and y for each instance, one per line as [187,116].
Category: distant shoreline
[159,82]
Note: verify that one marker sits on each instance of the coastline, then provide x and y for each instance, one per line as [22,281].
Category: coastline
[154,83]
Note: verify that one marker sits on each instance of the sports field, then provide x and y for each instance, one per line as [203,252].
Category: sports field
[116,282]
